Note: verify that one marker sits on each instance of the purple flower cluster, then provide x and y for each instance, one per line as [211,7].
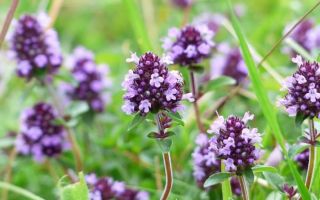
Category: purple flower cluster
[151,86]
[235,142]
[303,89]
[205,161]
[303,159]
[213,21]
[106,189]
[229,62]
[91,79]
[182,3]
[189,45]
[36,50]
[306,35]
[39,136]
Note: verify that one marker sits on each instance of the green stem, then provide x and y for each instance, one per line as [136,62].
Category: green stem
[311,155]
[20,191]
[244,188]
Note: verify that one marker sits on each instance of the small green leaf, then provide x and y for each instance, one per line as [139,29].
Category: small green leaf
[152,135]
[216,178]
[138,119]
[170,133]
[77,108]
[220,82]
[249,176]
[76,191]
[274,179]
[165,144]
[264,168]
[296,149]
[196,68]
[300,118]
[175,116]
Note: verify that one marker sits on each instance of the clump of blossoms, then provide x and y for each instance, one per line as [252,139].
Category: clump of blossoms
[306,35]
[303,159]
[205,161]
[39,136]
[182,3]
[190,45]
[212,21]
[151,87]
[303,89]
[92,82]
[229,62]
[106,188]
[235,143]
[36,50]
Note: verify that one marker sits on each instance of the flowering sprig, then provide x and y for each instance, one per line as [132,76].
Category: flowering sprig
[92,81]
[36,50]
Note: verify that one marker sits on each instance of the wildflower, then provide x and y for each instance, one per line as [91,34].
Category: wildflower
[229,62]
[235,143]
[289,191]
[303,90]
[39,136]
[35,49]
[303,159]
[190,45]
[106,188]
[182,3]
[92,82]
[213,21]
[151,87]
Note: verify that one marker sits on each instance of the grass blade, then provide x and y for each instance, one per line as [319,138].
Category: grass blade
[265,104]
[138,25]
[20,191]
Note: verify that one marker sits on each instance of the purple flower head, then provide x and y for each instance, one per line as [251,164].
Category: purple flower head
[106,188]
[303,159]
[303,89]
[235,142]
[91,79]
[190,45]
[36,50]
[151,86]
[228,62]
[182,3]
[213,21]
[205,161]
[39,136]
[306,35]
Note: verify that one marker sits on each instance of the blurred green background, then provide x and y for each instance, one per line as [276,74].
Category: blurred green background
[107,28]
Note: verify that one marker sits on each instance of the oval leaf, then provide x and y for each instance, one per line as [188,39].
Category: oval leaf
[216,178]
[300,117]
[138,119]
[264,168]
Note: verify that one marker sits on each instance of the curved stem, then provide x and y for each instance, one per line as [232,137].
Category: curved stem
[8,172]
[195,103]
[311,155]
[19,190]
[169,177]
[244,188]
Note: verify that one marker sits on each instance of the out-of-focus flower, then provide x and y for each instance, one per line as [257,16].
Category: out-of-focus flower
[39,136]
[106,189]
[213,21]
[235,186]
[151,86]
[182,3]
[307,35]
[303,159]
[229,62]
[92,81]
[205,162]
[235,143]
[303,89]
[190,45]
[36,50]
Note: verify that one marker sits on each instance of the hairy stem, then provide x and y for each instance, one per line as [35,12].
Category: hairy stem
[167,166]
[8,172]
[244,188]
[195,103]
[169,176]
[9,17]
[312,156]
[70,134]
